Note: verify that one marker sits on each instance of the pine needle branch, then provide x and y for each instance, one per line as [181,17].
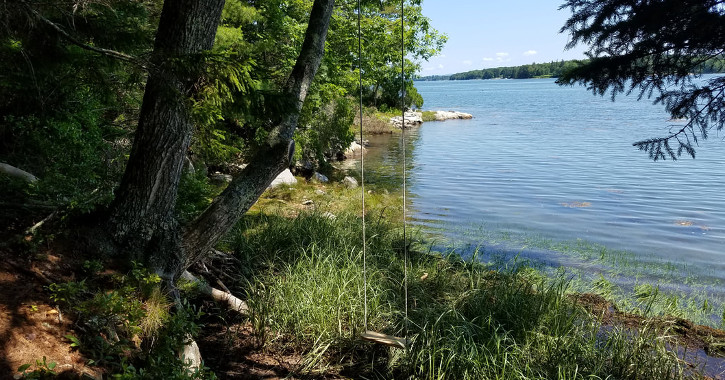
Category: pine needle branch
[107,52]
[659,148]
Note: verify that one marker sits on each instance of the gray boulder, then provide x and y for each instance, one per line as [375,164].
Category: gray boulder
[350,182]
[284,178]
[320,178]
[220,179]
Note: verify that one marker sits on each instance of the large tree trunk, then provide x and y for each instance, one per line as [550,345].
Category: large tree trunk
[272,159]
[141,220]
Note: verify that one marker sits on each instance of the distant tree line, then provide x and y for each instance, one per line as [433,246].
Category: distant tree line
[552,69]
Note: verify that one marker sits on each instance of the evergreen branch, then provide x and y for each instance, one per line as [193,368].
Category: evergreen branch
[657,147]
[107,52]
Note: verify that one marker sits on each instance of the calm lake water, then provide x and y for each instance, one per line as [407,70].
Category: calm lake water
[557,164]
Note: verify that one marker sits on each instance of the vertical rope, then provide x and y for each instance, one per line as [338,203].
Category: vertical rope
[402,99]
[362,169]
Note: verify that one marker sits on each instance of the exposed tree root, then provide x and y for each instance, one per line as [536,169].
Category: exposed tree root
[190,352]
[233,302]
[31,230]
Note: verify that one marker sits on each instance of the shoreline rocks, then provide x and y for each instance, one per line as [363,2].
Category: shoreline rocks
[350,182]
[415,118]
[354,148]
[412,119]
[452,115]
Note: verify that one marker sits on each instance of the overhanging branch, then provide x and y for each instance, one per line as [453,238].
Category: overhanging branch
[17,173]
[107,52]
[657,147]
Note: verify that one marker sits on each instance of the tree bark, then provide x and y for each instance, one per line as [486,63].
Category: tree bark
[141,219]
[201,236]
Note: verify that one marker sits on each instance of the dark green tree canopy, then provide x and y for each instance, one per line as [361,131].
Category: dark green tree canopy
[654,48]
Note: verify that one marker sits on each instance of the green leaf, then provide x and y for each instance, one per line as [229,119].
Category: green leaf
[23,367]
[75,342]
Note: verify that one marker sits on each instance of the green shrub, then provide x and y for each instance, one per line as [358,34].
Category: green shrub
[132,330]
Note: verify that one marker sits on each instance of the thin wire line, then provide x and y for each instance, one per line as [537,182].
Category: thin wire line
[362,169]
[402,98]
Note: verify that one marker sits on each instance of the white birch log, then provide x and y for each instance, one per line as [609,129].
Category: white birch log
[233,302]
[17,173]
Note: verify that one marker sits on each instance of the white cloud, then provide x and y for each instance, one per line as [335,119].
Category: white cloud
[487,59]
[440,66]
[468,62]
[502,57]
[530,52]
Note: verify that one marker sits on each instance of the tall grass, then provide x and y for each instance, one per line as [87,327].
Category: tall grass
[465,320]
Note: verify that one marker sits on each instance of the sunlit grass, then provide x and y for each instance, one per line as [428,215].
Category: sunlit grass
[157,308]
[466,319]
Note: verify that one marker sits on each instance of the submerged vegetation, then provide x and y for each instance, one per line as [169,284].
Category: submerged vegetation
[657,288]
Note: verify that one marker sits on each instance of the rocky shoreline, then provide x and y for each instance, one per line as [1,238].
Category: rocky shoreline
[415,118]
[412,119]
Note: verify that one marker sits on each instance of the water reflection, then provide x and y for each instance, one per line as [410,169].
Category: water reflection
[383,159]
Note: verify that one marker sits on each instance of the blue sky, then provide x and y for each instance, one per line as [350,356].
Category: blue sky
[484,34]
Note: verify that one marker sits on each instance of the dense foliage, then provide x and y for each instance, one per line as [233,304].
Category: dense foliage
[65,112]
[652,48]
[69,112]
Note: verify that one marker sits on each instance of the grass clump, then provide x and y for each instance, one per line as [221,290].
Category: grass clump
[429,116]
[465,320]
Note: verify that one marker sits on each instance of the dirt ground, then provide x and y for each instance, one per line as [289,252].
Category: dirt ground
[31,326]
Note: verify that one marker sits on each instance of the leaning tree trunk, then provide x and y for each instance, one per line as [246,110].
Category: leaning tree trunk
[141,221]
[272,159]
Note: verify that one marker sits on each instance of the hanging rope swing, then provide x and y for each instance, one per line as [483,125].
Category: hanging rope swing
[368,335]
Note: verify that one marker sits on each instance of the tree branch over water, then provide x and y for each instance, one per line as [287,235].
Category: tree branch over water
[655,48]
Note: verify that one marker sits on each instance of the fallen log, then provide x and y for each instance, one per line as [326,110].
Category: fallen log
[17,173]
